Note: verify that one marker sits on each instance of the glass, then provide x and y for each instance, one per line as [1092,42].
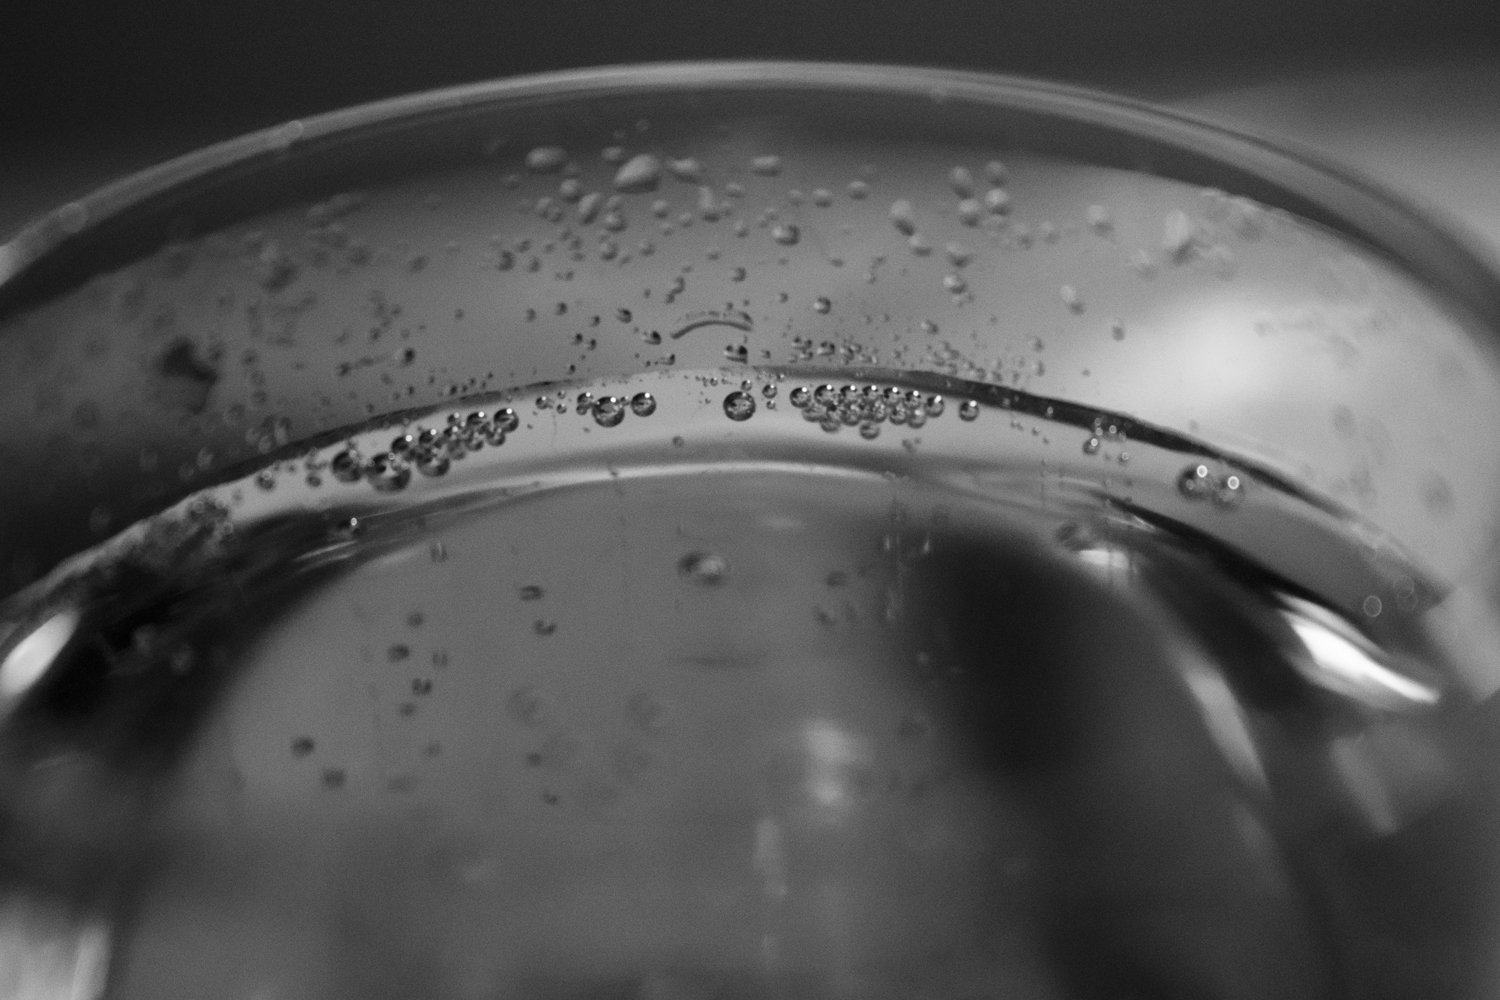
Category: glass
[747,529]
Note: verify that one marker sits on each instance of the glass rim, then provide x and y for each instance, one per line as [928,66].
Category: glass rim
[1330,193]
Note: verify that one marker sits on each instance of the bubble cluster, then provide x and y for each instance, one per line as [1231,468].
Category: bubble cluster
[1199,482]
[864,406]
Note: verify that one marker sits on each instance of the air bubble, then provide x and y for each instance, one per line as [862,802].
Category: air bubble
[769,390]
[347,467]
[995,172]
[1195,482]
[432,463]
[786,234]
[821,304]
[869,430]
[1071,298]
[609,411]
[584,403]
[968,410]
[955,284]
[507,420]
[800,397]
[1229,491]
[934,406]
[970,212]
[388,473]
[1091,446]
[739,405]
[1099,219]
[643,404]
[961,181]
[822,197]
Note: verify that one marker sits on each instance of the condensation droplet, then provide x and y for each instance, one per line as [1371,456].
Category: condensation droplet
[961,181]
[903,216]
[766,166]
[639,173]
[707,569]
[739,405]
[546,159]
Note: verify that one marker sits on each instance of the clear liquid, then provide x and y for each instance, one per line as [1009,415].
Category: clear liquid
[702,699]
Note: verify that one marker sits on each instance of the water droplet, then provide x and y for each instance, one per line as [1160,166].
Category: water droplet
[1091,446]
[858,190]
[609,411]
[398,652]
[786,233]
[1117,330]
[507,420]
[546,159]
[421,686]
[543,627]
[766,166]
[970,212]
[333,777]
[707,569]
[934,406]
[769,390]
[968,410]
[997,201]
[955,284]
[388,473]
[1372,606]
[869,430]
[302,746]
[995,172]
[1099,219]
[347,467]
[821,304]
[639,173]
[739,405]
[903,216]
[800,397]
[589,205]
[822,197]
[1071,298]
[643,404]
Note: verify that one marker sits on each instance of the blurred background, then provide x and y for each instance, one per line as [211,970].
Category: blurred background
[1405,90]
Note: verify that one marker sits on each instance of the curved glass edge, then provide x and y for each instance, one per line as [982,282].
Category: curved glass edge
[1334,195]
